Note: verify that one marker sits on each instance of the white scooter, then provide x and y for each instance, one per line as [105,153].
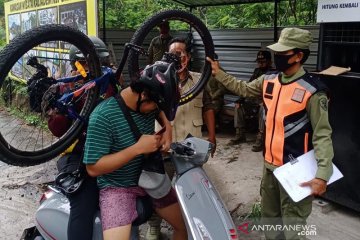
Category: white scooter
[205,214]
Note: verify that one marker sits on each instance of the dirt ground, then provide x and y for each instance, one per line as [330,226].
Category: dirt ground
[21,189]
[235,171]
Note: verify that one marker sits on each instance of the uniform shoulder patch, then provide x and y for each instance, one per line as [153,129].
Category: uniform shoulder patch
[324,104]
[298,95]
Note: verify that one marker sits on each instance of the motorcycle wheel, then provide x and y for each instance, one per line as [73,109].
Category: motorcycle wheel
[195,23]
[25,139]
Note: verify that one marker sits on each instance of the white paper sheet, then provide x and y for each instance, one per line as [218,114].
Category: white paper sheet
[304,169]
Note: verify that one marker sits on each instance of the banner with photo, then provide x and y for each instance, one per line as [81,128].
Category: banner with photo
[23,15]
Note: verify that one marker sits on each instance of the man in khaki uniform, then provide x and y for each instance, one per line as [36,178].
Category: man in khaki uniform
[263,60]
[296,120]
[189,117]
[159,44]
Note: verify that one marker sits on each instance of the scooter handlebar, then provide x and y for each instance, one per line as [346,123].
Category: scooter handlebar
[182,149]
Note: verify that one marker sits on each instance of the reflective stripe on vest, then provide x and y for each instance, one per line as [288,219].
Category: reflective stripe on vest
[286,118]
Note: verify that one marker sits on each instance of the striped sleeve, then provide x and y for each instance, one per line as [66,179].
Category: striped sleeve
[98,139]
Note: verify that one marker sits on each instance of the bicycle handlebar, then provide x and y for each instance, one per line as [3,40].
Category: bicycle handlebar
[128,47]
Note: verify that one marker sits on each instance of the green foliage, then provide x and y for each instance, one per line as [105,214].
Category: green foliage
[32,119]
[2,13]
[19,89]
[16,88]
[255,211]
[294,12]
[130,14]
[2,24]
[12,87]
[2,38]
[254,214]
[290,12]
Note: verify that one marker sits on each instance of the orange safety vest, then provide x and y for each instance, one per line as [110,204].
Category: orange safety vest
[288,131]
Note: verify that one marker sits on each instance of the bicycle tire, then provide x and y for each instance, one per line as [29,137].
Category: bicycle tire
[14,51]
[193,21]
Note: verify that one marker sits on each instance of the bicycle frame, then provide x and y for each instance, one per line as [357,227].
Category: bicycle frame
[64,104]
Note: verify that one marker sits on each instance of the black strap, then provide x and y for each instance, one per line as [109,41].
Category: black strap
[128,117]
[156,164]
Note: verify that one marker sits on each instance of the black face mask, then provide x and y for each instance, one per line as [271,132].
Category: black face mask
[264,69]
[281,62]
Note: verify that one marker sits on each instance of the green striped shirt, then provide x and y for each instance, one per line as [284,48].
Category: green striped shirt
[108,132]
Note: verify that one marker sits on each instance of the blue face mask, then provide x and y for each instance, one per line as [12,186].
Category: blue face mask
[282,62]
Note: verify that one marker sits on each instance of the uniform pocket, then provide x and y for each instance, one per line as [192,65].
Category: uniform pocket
[198,122]
[198,102]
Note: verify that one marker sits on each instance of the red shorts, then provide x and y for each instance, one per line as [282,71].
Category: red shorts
[118,205]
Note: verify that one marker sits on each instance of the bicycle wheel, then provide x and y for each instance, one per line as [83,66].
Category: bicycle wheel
[25,138]
[194,22]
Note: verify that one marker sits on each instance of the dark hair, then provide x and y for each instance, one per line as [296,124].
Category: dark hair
[137,86]
[181,40]
[164,23]
[306,53]
[140,88]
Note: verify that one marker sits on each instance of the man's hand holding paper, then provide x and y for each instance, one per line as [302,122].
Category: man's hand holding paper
[317,185]
[298,177]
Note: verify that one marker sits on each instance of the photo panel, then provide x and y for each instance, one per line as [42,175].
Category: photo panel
[14,25]
[28,21]
[48,16]
[74,15]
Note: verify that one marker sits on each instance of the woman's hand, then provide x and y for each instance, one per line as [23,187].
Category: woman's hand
[148,144]
[166,137]
[165,144]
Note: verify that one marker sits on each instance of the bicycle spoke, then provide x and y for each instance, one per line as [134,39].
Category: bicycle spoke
[30,138]
[9,124]
[15,133]
[30,110]
[37,138]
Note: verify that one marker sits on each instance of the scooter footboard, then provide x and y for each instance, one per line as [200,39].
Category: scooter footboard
[206,215]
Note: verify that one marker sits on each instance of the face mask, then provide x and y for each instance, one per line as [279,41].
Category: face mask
[264,68]
[281,62]
[164,31]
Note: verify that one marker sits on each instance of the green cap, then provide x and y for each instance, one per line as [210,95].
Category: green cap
[291,38]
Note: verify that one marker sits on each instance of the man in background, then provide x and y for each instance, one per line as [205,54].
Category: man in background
[159,44]
[190,117]
[264,64]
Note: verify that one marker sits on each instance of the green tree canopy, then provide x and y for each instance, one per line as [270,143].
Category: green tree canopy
[2,23]
[129,14]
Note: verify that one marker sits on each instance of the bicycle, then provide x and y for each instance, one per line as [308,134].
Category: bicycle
[24,145]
